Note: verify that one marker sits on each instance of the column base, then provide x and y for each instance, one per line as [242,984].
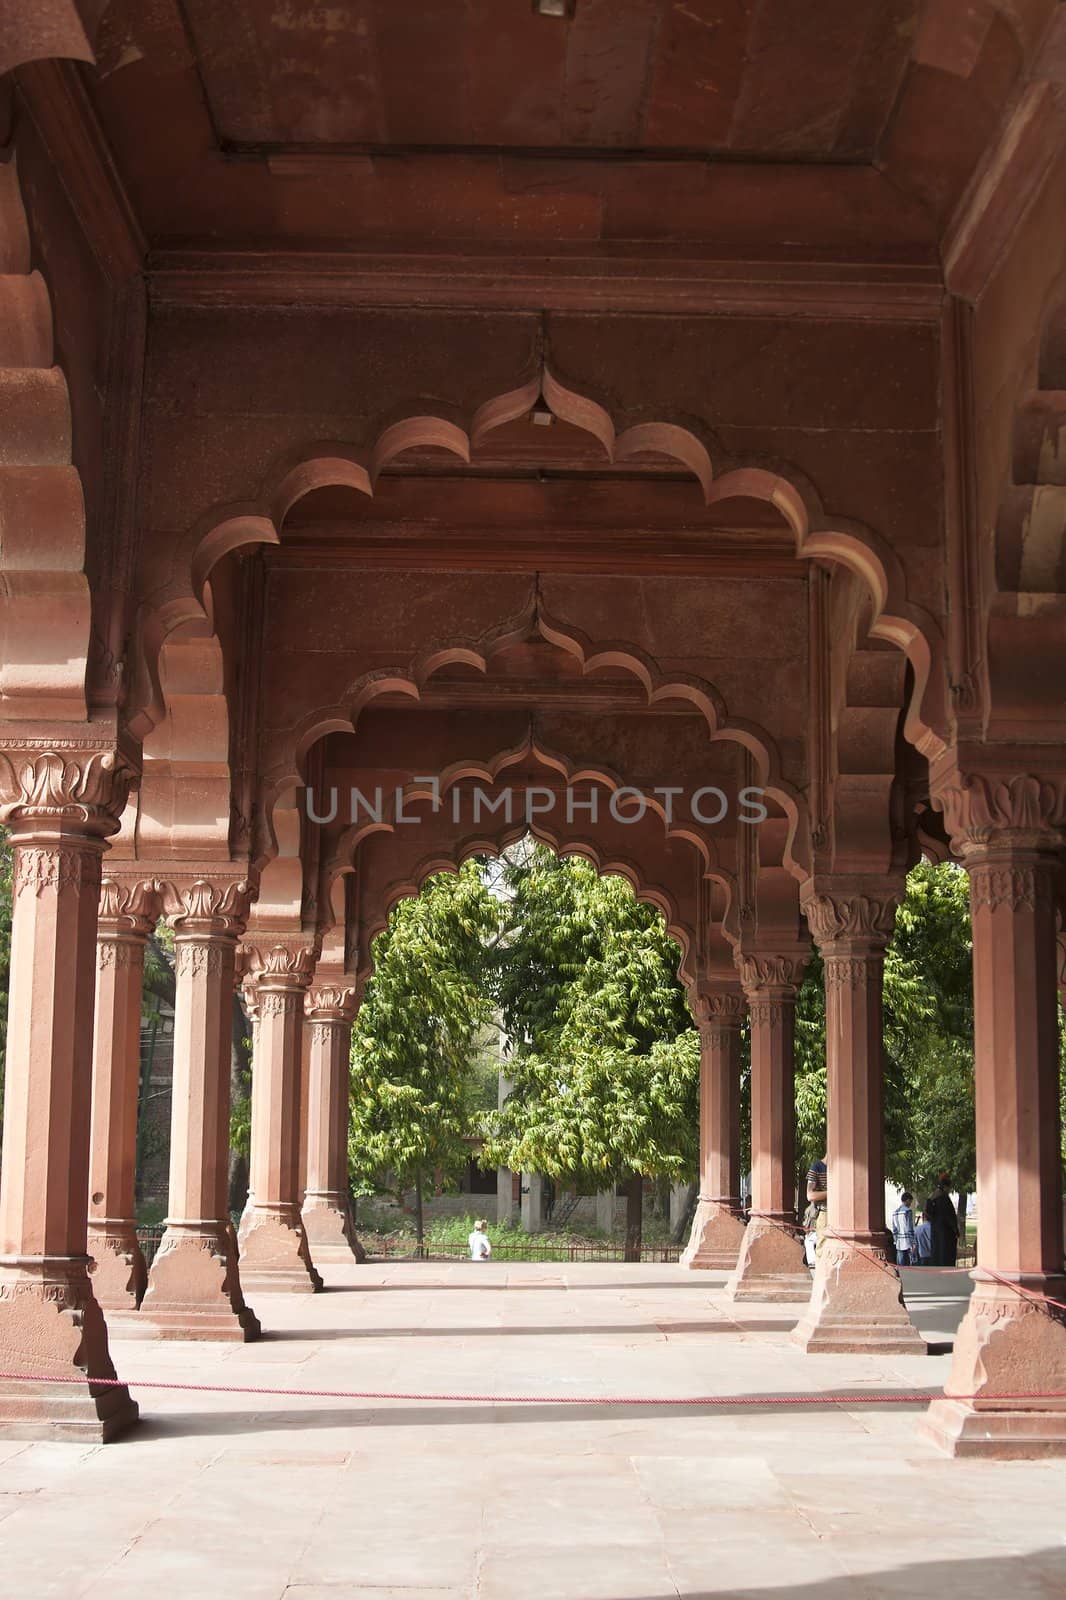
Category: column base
[716,1237]
[194,1291]
[274,1254]
[770,1266]
[329,1231]
[50,1324]
[1005,1346]
[117,1270]
[856,1304]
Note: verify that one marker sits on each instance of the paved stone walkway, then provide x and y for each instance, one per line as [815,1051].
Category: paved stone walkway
[244,1498]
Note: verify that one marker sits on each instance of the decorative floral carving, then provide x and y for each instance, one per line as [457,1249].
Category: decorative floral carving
[117,950]
[277,1003]
[718,1010]
[769,1013]
[869,916]
[337,1002]
[40,867]
[976,808]
[1019,887]
[294,961]
[201,958]
[219,907]
[130,908]
[64,784]
[850,972]
[771,970]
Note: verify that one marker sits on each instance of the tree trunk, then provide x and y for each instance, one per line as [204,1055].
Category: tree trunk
[420,1232]
[963,1198]
[684,1221]
[634,1216]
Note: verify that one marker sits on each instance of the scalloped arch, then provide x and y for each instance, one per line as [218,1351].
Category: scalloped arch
[169,597]
[286,777]
[45,603]
[493,843]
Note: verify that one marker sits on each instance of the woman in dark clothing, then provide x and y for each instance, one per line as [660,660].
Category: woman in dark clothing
[943,1219]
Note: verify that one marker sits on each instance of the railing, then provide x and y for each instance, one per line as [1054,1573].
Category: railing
[560,1250]
[149,1240]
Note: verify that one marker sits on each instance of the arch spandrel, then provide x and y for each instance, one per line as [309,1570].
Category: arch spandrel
[390,868]
[896,618]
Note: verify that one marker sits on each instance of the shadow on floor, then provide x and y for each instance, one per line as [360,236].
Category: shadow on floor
[364,1414]
[566,1330]
[1038,1573]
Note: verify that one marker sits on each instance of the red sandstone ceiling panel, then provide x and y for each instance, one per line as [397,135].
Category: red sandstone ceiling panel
[746,75]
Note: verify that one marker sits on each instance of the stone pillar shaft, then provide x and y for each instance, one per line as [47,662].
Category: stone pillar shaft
[194,1289]
[770,1265]
[274,1251]
[718,1226]
[1010,1342]
[59,806]
[327,1215]
[119,1274]
[857,1297]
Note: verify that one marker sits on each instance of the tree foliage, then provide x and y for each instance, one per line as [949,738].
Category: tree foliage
[605,1068]
[413,1077]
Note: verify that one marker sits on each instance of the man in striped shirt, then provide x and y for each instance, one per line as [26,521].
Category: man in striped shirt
[903,1236]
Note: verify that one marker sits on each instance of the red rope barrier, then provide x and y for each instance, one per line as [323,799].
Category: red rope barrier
[856,1397]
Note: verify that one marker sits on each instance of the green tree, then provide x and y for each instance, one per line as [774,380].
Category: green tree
[606,1062]
[414,1077]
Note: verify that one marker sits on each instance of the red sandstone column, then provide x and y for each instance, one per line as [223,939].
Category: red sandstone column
[718,1226]
[856,1298]
[59,806]
[274,1253]
[327,1212]
[127,914]
[1007,831]
[194,1288]
[770,1265]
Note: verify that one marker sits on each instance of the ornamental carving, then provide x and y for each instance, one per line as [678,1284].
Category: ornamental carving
[277,1003]
[55,868]
[1017,887]
[337,1002]
[769,1013]
[118,951]
[208,907]
[294,962]
[771,971]
[718,1011]
[850,972]
[977,809]
[201,958]
[865,916]
[129,907]
[64,784]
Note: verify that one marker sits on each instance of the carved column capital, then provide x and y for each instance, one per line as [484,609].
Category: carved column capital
[985,812]
[848,917]
[718,1011]
[205,908]
[275,974]
[128,910]
[331,1003]
[768,974]
[63,787]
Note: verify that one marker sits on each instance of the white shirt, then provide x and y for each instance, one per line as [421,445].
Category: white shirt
[480,1248]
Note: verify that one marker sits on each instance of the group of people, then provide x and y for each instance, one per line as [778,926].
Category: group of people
[932,1241]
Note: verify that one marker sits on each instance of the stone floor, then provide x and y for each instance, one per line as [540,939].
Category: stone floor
[259,1498]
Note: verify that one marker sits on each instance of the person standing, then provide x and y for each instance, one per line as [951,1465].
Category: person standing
[818,1199]
[480,1248]
[944,1221]
[903,1235]
[923,1232]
